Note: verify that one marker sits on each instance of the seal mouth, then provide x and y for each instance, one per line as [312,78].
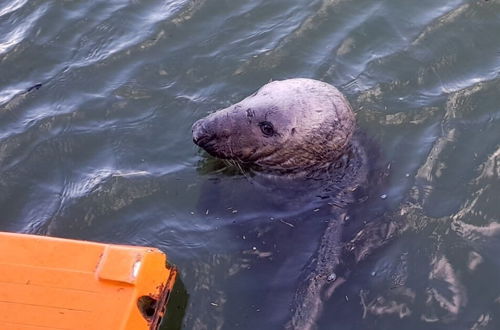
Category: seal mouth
[208,143]
[211,147]
[203,141]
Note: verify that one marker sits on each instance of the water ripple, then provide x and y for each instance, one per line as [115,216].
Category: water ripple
[12,7]
[19,32]
[96,103]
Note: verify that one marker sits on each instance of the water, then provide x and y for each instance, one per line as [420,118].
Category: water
[96,103]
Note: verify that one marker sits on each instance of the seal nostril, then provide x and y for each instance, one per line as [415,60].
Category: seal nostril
[198,132]
[196,135]
[201,136]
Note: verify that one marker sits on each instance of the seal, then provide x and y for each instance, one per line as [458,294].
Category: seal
[296,134]
[288,126]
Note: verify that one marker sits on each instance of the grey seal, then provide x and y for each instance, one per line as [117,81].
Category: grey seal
[298,134]
[292,126]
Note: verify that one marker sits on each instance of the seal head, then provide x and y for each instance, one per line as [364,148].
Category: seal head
[286,126]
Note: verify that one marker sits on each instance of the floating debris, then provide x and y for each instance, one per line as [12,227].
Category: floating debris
[383,196]
[234,211]
[335,205]
[287,223]
[332,277]
[33,88]
[374,273]
[315,210]
[213,304]
[254,248]
[206,212]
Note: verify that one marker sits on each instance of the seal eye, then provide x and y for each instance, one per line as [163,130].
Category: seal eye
[266,128]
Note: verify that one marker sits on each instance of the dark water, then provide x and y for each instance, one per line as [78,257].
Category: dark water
[96,103]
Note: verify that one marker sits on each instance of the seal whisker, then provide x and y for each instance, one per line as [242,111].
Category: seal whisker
[227,162]
[238,165]
[234,158]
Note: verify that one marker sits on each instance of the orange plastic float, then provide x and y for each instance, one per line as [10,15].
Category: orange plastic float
[53,283]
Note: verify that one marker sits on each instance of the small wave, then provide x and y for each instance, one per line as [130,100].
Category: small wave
[20,32]
[12,7]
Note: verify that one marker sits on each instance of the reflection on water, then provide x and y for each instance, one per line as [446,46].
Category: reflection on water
[97,100]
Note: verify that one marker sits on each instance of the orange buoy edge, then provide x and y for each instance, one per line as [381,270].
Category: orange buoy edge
[56,283]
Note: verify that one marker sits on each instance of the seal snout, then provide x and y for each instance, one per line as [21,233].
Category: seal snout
[205,136]
[201,136]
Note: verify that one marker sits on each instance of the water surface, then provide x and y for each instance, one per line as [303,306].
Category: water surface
[96,103]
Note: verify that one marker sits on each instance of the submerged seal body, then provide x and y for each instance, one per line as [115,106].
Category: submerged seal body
[296,134]
[288,126]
